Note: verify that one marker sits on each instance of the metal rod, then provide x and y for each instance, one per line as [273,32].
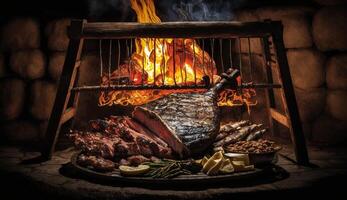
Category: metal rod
[203,56]
[131,59]
[109,62]
[194,64]
[181,61]
[212,57]
[164,63]
[250,58]
[118,61]
[143,64]
[174,60]
[231,54]
[154,60]
[184,62]
[101,60]
[168,87]
[240,59]
[221,53]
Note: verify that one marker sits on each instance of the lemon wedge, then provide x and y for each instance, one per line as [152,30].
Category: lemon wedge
[227,167]
[133,171]
[213,164]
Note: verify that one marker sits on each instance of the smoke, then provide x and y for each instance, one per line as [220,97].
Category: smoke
[120,9]
[198,10]
[170,10]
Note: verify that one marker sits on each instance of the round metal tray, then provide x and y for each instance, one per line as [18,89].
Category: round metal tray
[200,178]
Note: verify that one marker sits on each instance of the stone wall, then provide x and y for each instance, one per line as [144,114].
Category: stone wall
[316,46]
[32,55]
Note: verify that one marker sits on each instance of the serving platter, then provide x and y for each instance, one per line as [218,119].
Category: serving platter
[199,178]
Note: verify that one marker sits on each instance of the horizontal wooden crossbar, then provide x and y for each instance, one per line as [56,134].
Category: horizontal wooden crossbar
[218,29]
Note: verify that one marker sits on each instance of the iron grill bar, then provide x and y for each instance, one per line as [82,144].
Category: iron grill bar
[174,60]
[118,60]
[221,53]
[101,61]
[250,58]
[212,56]
[230,53]
[167,87]
[162,71]
[203,56]
[194,61]
[154,60]
[109,62]
[182,61]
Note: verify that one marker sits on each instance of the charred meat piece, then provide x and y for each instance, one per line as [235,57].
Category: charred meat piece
[95,144]
[256,135]
[137,160]
[187,122]
[119,139]
[229,128]
[237,136]
[96,162]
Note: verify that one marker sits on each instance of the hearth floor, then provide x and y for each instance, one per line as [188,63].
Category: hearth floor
[20,178]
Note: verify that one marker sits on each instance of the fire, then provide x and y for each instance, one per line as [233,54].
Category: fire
[161,61]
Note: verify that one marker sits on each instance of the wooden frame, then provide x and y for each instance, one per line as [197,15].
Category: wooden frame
[271,31]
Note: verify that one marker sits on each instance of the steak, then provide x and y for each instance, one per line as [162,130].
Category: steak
[187,122]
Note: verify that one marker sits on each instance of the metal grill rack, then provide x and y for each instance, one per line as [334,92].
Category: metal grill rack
[223,41]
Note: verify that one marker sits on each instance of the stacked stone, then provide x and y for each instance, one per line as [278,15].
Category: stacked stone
[316,44]
[26,92]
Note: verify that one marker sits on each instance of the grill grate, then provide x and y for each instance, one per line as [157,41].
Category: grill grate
[207,35]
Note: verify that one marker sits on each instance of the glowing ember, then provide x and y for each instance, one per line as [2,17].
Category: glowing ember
[163,61]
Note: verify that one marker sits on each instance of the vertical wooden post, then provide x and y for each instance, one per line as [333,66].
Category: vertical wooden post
[67,81]
[296,131]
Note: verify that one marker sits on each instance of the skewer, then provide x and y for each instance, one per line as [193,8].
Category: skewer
[167,87]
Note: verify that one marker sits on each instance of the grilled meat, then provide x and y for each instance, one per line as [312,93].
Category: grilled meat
[96,162]
[187,122]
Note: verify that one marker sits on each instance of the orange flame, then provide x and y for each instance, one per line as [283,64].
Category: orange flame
[162,61]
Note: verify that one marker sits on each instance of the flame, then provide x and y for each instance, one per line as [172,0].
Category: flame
[162,61]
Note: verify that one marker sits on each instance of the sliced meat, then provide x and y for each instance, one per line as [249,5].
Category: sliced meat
[95,144]
[96,162]
[137,160]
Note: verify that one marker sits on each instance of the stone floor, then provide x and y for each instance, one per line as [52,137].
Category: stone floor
[23,178]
